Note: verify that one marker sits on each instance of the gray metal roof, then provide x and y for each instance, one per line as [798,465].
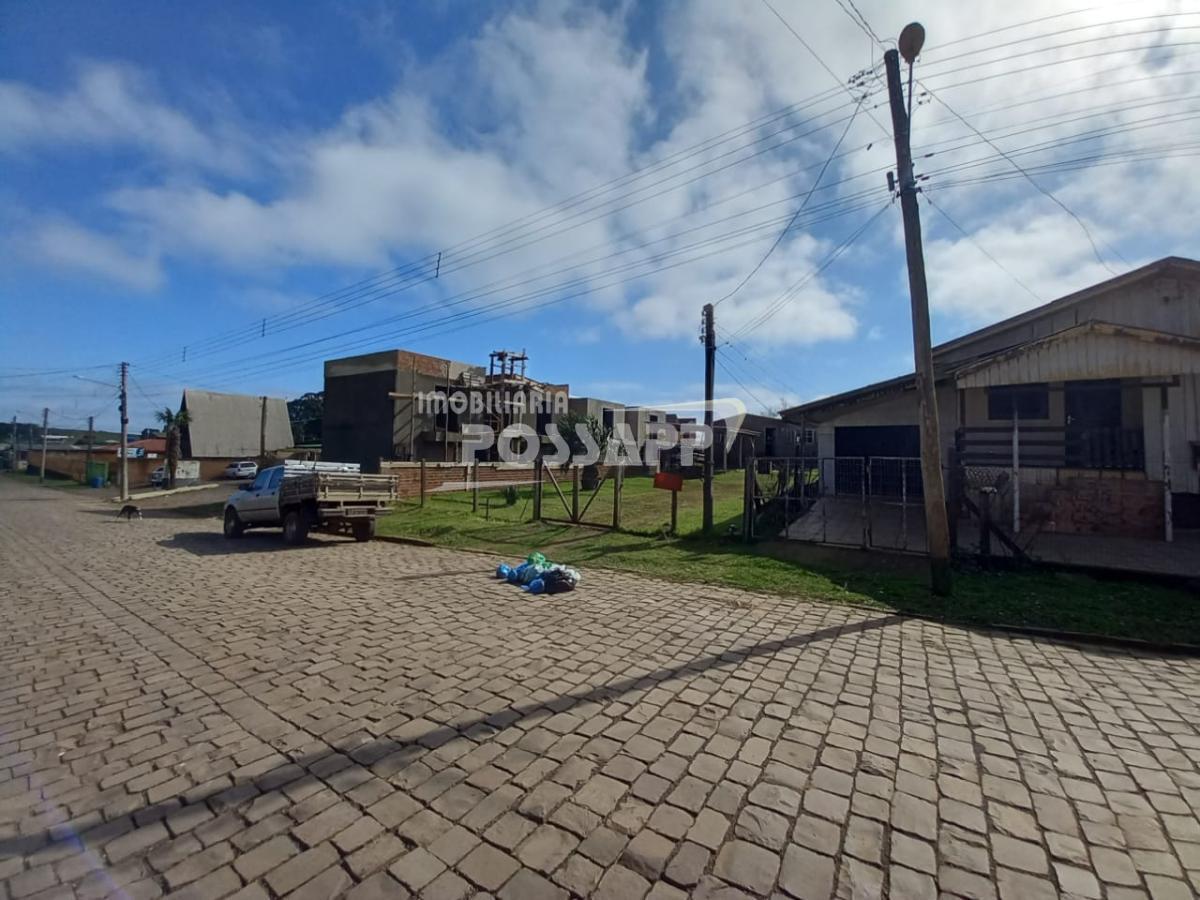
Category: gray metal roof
[941,370]
[228,425]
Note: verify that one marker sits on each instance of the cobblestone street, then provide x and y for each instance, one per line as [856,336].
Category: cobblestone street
[188,716]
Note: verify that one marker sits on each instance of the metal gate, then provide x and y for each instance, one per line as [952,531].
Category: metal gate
[851,501]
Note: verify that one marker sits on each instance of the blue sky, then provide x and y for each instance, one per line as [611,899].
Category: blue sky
[197,176]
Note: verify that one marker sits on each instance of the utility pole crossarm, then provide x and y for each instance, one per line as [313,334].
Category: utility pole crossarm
[936,526]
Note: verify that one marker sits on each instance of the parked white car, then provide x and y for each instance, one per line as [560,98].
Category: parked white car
[246,468]
[158,477]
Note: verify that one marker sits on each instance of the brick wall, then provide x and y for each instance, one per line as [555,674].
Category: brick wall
[1113,503]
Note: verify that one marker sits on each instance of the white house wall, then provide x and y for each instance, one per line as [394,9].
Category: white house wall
[1183,404]
[1160,304]
[1088,355]
[901,409]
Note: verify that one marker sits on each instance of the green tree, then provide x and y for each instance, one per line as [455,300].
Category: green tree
[306,413]
[173,424]
[600,433]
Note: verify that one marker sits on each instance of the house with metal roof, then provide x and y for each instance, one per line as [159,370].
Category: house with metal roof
[1081,415]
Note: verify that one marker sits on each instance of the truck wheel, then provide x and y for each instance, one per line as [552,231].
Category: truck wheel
[364,530]
[233,524]
[295,527]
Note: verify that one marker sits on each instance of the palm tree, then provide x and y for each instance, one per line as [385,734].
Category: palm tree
[172,423]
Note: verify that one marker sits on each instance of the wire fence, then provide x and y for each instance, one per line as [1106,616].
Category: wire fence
[850,501]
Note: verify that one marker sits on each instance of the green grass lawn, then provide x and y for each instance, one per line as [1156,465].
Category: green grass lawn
[1033,598]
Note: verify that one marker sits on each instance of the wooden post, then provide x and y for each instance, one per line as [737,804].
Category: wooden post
[1168,510]
[937,535]
[422,482]
[45,427]
[674,512]
[412,410]
[863,475]
[618,482]
[262,432]
[124,431]
[985,522]
[904,503]
[748,504]
[537,488]
[87,463]
[575,494]
[475,487]
[1016,470]
[446,431]
[956,489]
[710,359]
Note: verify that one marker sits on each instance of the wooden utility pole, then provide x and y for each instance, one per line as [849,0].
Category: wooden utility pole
[936,529]
[124,431]
[710,364]
[262,432]
[45,425]
[16,452]
[87,464]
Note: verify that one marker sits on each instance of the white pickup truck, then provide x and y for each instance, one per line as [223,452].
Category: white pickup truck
[307,496]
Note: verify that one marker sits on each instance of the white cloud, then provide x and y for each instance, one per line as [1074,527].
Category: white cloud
[555,98]
[111,105]
[64,245]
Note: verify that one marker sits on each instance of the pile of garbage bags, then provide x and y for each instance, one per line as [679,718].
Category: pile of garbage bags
[538,575]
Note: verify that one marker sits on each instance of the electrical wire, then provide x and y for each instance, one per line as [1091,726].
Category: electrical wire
[1087,231]
[978,246]
[722,362]
[322,317]
[796,287]
[799,209]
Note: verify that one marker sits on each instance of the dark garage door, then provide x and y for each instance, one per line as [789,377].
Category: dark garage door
[879,446]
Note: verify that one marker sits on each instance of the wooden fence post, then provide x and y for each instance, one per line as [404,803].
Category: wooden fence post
[537,488]
[422,482]
[985,522]
[618,481]
[575,494]
[748,502]
[674,512]
[475,487]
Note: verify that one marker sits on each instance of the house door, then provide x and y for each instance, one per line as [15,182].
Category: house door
[1093,422]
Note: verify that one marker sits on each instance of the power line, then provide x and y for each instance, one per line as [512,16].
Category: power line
[799,209]
[459,257]
[555,289]
[795,288]
[974,54]
[1016,165]
[824,65]
[721,361]
[377,291]
[978,246]
[860,20]
[715,204]
[417,280]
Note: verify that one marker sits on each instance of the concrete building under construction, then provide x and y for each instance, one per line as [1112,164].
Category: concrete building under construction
[401,405]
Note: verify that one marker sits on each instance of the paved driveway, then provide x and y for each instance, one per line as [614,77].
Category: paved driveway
[184,715]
